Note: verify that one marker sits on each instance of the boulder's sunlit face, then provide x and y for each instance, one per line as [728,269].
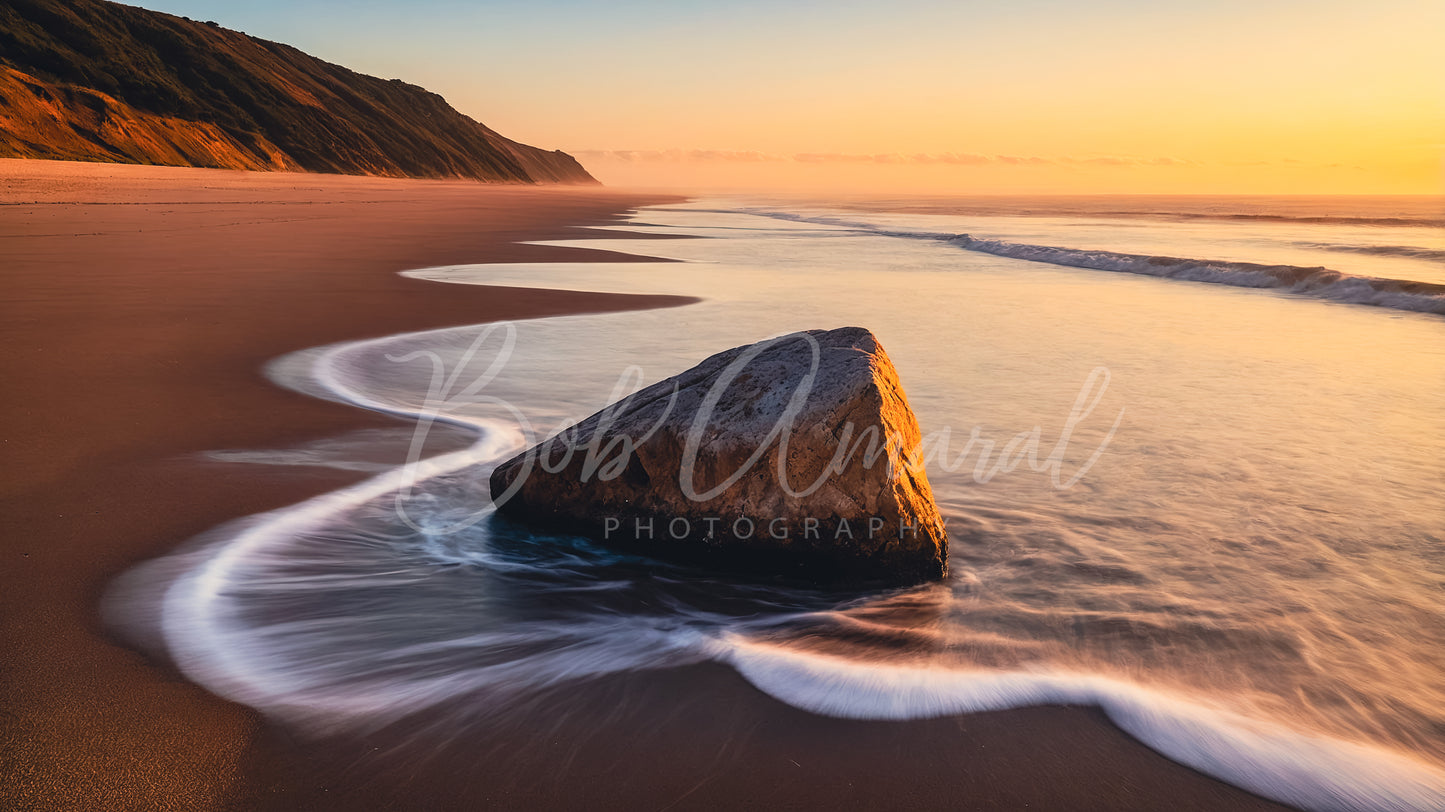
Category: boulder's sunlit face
[1119,97]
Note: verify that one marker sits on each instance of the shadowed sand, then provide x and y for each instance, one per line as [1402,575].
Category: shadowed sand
[139,306]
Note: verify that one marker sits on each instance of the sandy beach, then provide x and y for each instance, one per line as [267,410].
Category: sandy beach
[140,305]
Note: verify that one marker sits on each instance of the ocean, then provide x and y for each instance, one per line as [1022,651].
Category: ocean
[1190,452]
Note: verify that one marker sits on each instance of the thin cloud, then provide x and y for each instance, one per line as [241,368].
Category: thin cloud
[1125,160]
[1016,160]
[959,158]
[954,158]
[678,155]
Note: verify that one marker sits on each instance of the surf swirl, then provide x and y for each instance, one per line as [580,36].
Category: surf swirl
[554,610]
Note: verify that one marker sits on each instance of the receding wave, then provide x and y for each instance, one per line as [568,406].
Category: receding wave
[1340,220]
[1319,282]
[1250,217]
[269,613]
[1406,251]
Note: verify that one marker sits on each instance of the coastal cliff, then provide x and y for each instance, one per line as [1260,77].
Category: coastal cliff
[89,80]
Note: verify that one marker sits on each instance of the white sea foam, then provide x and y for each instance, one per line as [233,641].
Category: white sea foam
[199,624]
[269,668]
[275,668]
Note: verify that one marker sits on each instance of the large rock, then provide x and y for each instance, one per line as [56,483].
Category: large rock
[792,456]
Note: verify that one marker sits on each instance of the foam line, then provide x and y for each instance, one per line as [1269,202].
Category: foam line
[199,629]
[211,644]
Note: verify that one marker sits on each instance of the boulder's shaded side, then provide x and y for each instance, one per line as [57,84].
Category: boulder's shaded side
[794,456]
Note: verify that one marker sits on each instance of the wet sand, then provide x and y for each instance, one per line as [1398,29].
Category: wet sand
[139,306]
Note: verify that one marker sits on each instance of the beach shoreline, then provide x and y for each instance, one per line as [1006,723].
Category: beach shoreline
[143,303]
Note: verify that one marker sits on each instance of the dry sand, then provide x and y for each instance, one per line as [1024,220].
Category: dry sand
[138,307]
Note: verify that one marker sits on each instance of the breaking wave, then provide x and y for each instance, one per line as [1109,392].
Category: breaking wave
[1406,251]
[1318,282]
[1337,220]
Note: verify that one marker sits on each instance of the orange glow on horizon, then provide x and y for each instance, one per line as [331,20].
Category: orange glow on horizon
[1325,99]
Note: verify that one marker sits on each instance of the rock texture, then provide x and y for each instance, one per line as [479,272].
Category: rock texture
[91,80]
[793,456]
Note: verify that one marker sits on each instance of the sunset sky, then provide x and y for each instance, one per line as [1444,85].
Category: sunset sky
[1231,96]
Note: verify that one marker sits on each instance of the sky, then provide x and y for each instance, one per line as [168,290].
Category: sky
[1018,96]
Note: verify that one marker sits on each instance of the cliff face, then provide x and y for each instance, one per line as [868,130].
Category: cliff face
[91,80]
